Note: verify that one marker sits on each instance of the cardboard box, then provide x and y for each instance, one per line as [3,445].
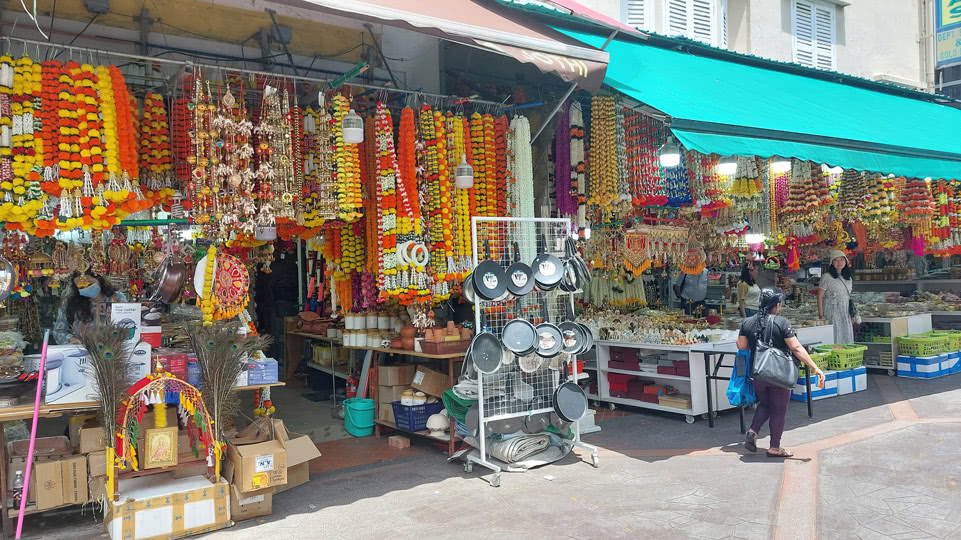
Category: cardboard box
[151,335]
[141,363]
[385,411]
[92,437]
[127,315]
[395,375]
[158,506]
[250,505]
[49,484]
[73,429]
[263,371]
[172,360]
[43,447]
[74,478]
[430,382]
[76,382]
[300,451]
[97,463]
[389,394]
[258,465]
[188,466]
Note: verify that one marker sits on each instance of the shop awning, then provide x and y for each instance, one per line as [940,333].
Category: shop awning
[485,24]
[726,107]
[572,11]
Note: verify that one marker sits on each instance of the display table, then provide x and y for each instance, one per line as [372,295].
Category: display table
[883,355]
[694,385]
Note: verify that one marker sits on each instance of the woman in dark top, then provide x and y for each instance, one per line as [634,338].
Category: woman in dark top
[770,327]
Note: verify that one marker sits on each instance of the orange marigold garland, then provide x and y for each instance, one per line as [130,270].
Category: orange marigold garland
[479,162]
[387,187]
[347,172]
[490,168]
[501,175]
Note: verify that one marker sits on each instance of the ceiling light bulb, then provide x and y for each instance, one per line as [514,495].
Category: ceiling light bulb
[780,165]
[727,166]
[353,128]
[670,154]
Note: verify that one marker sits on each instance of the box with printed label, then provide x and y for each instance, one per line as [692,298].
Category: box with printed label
[69,377]
[263,371]
[158,506]
[430,382]
[49,484]
[173,360]
[250,505]
[74,479]
[258,465]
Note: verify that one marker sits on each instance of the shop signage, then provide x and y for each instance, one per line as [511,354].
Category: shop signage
[947,25]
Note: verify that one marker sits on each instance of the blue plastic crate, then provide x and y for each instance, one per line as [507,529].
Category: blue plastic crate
[414,417]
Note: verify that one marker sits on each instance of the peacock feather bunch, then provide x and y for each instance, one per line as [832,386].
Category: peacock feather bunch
[221,352]
[109,353]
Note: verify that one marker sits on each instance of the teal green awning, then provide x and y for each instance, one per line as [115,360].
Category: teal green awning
[731,108]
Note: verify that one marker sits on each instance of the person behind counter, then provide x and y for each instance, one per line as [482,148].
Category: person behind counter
[771,328]
[691,284]
[748,291]
[87,291]
[834,298]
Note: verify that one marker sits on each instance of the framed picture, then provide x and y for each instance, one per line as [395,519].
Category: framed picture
[160,448]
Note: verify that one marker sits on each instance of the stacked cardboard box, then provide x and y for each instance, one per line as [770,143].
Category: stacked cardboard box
[57,476]
[391,383]
[264,459]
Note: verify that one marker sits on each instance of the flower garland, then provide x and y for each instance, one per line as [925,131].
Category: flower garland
[127,134]
[435,178]
[524,180]
[456,149]
[155,153]
[209,301]
[578,165]
[604,175]
[479,163]
[565,200]
[624,197]
[347,181]
[409,218]
[916,205]
[504,182]
[492,180]
[386,197]
[677,184]
[22,195]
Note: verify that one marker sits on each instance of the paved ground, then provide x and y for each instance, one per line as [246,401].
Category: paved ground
[879,464]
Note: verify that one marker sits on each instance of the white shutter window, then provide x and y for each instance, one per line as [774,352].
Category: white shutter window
[723,41]
[677,18]
[702,21]
[639,14]
[814,34]
[824,34]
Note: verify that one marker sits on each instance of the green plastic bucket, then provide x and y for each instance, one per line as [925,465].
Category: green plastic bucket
[359,416]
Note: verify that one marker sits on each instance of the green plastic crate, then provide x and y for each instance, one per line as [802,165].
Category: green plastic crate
[952,339]
[843,357]
[821,360]
[921,345]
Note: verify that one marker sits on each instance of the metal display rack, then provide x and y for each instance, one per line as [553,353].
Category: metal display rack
[506,240]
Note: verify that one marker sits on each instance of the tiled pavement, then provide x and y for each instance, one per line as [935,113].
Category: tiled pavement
[879,464]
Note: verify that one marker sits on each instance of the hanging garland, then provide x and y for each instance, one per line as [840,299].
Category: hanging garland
[479,162]
[504,181]
[457,150]
[386,189]
[604,174]
[566,202]
[524,180]
[346,178]
[578,166]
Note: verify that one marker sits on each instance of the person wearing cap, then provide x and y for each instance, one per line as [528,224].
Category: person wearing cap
[834,297]
[776,330]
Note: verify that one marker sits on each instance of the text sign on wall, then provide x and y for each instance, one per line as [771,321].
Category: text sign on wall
[947,26]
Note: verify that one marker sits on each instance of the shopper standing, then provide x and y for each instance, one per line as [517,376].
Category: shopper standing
[748,291]
[834,298]
[775,330]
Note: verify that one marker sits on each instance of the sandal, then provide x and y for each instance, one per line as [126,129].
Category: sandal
[750,441]
[780,453]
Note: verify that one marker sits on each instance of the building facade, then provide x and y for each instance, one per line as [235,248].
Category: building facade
[883,40]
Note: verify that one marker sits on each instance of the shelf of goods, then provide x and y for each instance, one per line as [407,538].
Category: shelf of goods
[907,285]
[882,350]
[691,384]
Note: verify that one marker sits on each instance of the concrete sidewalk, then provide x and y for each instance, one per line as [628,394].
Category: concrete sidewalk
[879,464]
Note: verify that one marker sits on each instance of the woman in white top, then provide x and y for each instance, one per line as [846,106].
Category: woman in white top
[834,298]
[748,291]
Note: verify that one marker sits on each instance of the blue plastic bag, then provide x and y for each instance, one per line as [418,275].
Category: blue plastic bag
[740,389]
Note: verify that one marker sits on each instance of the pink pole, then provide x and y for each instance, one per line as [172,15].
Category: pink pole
[33,433]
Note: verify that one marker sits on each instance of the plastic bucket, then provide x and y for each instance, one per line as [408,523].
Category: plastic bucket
[359,416]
